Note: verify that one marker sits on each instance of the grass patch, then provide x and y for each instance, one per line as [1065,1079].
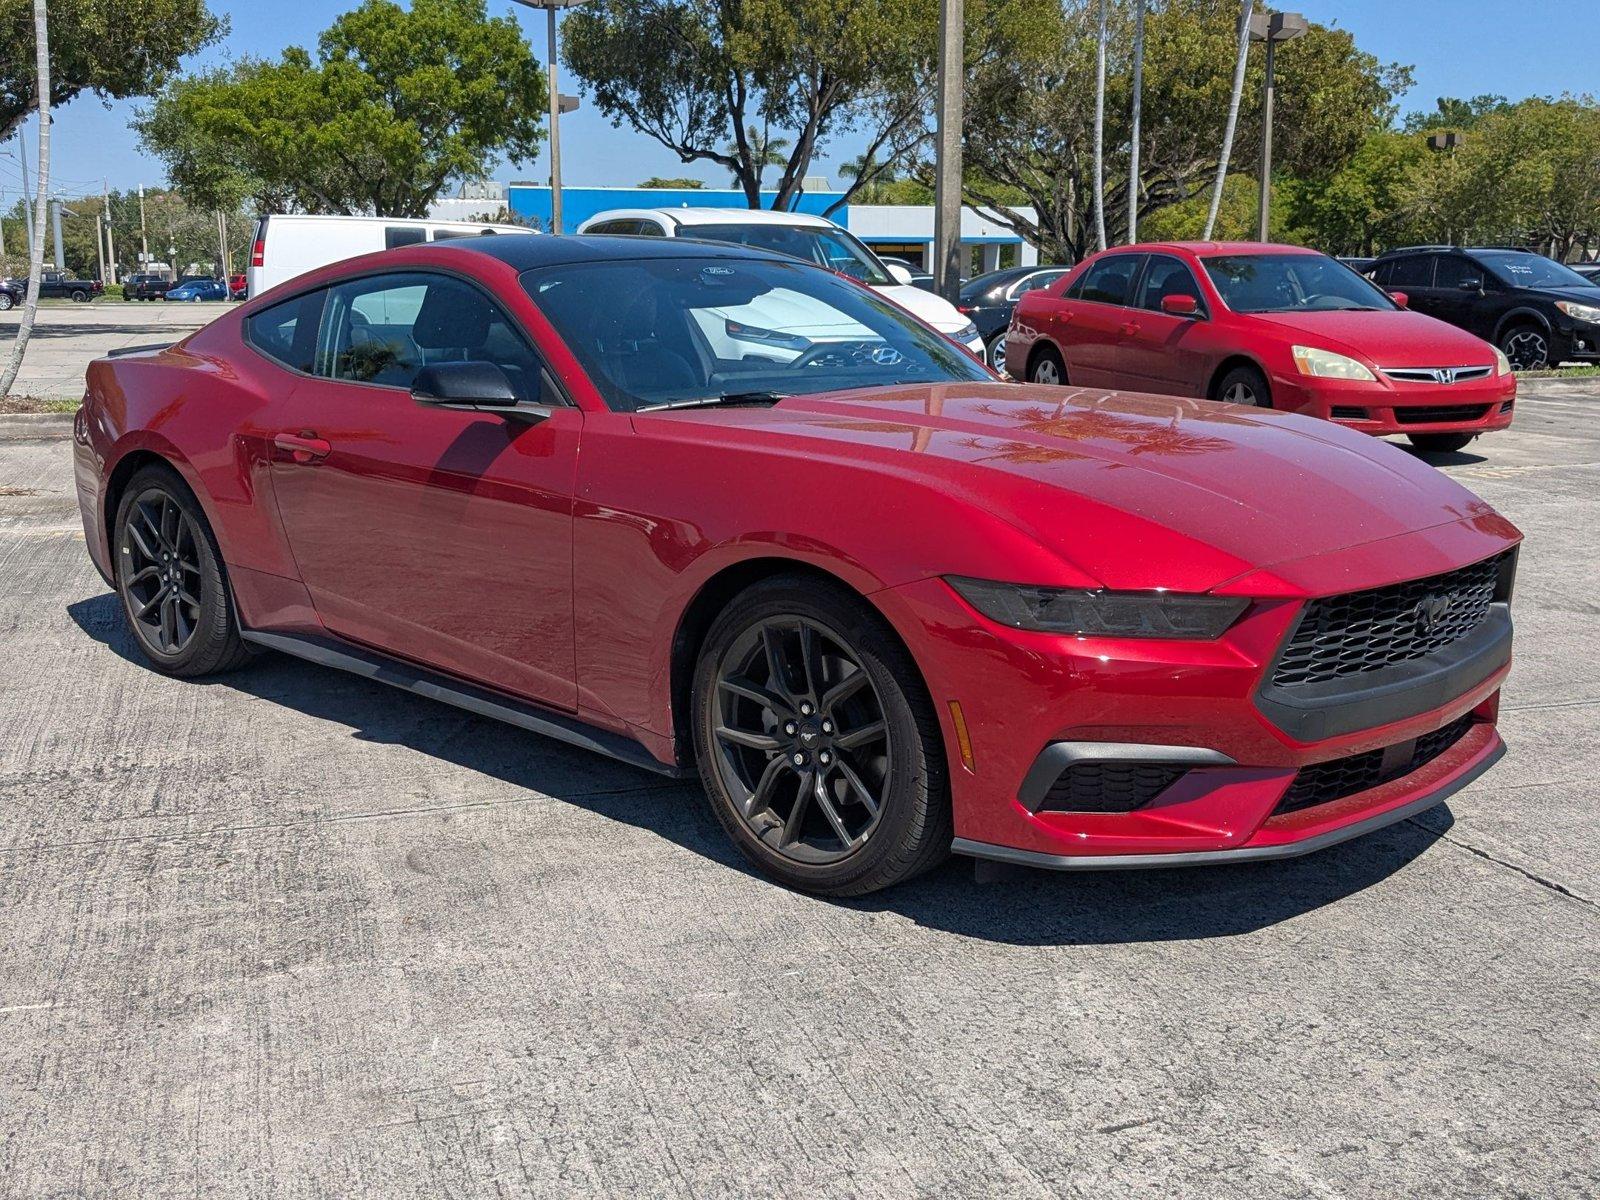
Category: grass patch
[39,404]
[1561,373]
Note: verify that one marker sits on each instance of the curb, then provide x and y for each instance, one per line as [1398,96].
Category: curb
[16,421]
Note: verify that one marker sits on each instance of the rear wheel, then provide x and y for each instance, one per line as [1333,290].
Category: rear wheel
[6,301]
[1527,347]
[170,578]
[996,350]
[1243,385]
[80,296]
[819,751]
[1048,368]
[1440,443]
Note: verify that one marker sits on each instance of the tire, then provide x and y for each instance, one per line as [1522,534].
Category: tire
[1243,385]
[1047,368]
[80,296]
[160,528]
[877,737]
[1440,443]
[1527,346]
[995,352]
[6,302]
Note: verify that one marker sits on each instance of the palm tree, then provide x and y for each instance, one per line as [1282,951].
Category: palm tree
[1133,145]
[869,172]
[1100,131]
[41,42]
[765,151]
[1233,116]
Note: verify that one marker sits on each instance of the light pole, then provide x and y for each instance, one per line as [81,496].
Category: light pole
[558,104]
[947,151]
[1271,28]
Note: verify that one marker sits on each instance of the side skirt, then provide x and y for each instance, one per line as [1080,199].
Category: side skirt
[370,664]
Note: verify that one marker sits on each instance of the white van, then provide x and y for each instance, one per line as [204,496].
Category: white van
[287,245]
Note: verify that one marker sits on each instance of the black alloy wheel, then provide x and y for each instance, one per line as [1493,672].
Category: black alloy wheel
[1527,347]
[822,761]
[170,578]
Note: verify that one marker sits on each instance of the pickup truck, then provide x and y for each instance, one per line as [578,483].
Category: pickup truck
[146,287]
[57,285]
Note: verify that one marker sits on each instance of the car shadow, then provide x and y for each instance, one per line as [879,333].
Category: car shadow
[1007,904]
[1444,458]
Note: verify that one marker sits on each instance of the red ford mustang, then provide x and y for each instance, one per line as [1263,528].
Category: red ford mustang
[1271,326]
[708,509]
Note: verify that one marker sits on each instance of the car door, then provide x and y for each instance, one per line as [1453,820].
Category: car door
[1413,275]
[437,535]
[1090,327]
[1164,352]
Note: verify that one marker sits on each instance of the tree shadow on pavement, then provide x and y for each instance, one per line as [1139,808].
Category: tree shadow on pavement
[1014,905]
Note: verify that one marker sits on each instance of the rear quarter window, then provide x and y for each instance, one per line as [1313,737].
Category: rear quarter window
[287,333]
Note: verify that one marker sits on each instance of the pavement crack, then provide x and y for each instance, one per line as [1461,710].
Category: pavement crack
[1560,889]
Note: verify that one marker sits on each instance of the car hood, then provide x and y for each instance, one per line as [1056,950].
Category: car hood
[1578,295]
[934,309]
[1137,491]
[1385,338]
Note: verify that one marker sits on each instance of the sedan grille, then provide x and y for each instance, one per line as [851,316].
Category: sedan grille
[1445,375]
[1427,414]
[1366,631]
[1109,787]
[1325,782]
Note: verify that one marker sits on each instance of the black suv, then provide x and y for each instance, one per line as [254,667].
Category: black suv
[1537,311]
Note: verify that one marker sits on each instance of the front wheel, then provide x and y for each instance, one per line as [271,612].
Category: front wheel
[1527,347]
[1440,443]
[6,302]
[170,578]
[818,748]
[1244,385]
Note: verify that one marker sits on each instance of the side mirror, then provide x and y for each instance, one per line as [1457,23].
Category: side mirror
[1400,298]
[1472,285]
[464,385]
[898,273]
[1180,306]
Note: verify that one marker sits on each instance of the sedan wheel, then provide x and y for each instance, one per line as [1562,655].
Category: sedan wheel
[821,761]
[1527,348]
[1244,385]
[1047,369]
[5,301]
[997,352]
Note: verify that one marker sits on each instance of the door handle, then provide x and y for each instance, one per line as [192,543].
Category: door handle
[303,447]
[1129,328]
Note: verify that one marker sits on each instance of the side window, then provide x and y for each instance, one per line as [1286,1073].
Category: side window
[1074,290]
[616,227]
[1110,280]
[403,235]
[1032,283]
[1458,273]
[1380,273]
[444,235]
[386,328]
[287,332]
[1166,276]
[652,229]
[1415,271]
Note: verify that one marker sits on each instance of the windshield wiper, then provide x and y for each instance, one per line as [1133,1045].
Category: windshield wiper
[733,398]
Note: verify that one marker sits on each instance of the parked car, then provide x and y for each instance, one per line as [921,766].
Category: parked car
[193,290]
[1360,266]
[920,277]
[989,300]
[146,287]
[287,245]
[813,239]
[1264,325]
[53,285]
[1537,311]
[883,604]
[1589,270]
[237,287]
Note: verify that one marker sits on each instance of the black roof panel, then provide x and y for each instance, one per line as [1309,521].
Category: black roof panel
[526,251]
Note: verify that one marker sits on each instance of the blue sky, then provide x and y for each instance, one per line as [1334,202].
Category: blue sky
[1458,47]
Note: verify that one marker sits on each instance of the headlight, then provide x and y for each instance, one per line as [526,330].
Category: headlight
[1100,613]
[1325,364]
[1580,312]
[1502,364]
[766,337]
[966,333]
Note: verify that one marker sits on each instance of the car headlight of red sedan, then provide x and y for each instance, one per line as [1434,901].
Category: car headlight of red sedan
[1100,613]
[1325,364]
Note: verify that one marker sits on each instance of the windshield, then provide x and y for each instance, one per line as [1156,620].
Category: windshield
[1530,270]
[831,248]
[1273,283]
[665,331]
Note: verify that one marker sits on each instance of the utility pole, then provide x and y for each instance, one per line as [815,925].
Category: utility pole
[222,246]
[558,103]
[55,214]
[27,203]
[947,151]
[100,246]
[1138,105]
[1270,28]
[144,242]
[111,240]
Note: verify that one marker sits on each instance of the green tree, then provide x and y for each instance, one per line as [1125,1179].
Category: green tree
[697,75]
[112,48]
[1450,112]
[1365,205]
[656,181]
[397,104]
[765,148]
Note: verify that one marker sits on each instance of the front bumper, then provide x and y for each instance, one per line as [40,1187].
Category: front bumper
[1384,408]
[1199,705]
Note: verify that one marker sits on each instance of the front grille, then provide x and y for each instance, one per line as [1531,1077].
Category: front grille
[1445,375]
[1109,787]
[1427,414]
[1329,781]
[1365,631]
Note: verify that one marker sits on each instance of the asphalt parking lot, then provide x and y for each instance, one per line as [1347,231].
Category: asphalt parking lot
[292,933]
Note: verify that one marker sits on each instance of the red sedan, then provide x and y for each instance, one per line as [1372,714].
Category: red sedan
[1272,326]
[884,604]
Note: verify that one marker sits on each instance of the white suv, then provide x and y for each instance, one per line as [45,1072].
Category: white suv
[815,239]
